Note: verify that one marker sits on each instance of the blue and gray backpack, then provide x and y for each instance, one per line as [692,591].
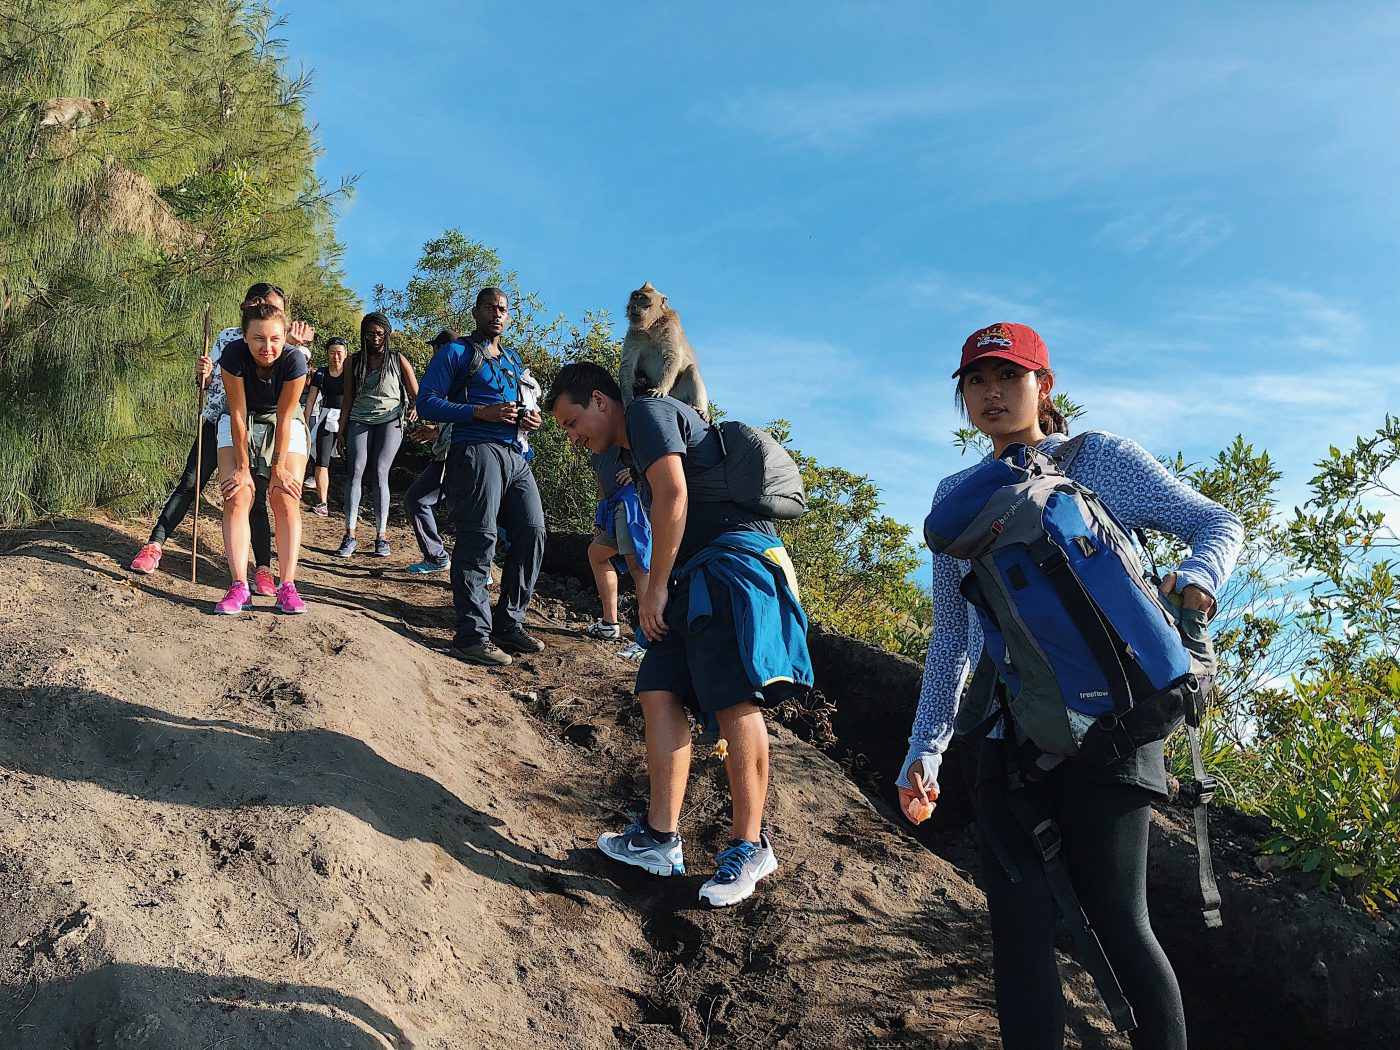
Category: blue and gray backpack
[1093,659]
[1083,655]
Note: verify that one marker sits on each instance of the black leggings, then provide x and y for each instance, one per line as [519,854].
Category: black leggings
[1104,832]
[178,505]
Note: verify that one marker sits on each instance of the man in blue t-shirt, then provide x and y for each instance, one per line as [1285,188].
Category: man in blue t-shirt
[689,663]
[475,384]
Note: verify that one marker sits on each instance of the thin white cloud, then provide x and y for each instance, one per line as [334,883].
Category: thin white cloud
[830,117]
[1180,230]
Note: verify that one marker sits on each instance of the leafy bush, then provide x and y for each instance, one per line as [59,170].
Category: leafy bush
[1333,783]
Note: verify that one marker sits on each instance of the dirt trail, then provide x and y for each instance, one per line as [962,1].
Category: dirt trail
[323,831]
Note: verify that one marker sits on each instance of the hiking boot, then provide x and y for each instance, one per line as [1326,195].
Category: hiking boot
[347,547]
[381,547]
[634,845]
[147,558]
[264,585]
[633,652]
[288,600]
[741,865]
[321,510]
[604,631]
[517,641]
[235,601]
[485,653]
[420,568]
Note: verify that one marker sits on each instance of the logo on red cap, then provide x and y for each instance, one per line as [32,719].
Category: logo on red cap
[996,335]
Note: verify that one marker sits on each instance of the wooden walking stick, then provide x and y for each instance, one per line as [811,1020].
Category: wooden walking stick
[199,451]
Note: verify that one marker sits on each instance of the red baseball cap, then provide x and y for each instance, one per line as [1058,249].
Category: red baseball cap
[1016,343]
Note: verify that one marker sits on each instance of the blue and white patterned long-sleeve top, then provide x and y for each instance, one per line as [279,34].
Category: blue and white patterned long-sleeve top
[1140,491]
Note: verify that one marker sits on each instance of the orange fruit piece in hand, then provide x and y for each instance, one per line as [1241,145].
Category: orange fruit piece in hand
[919,811]
[721,748]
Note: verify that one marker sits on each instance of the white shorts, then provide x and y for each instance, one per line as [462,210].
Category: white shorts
[297,446]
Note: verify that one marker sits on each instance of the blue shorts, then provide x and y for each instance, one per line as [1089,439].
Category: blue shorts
[703,668]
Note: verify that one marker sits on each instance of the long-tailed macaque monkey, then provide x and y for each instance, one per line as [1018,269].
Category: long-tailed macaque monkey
[657,360]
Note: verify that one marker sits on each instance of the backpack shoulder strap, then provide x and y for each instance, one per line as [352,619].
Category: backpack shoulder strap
[463,378]
[1065,455]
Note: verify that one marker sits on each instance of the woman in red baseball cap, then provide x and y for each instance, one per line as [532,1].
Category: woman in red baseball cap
[1004,385]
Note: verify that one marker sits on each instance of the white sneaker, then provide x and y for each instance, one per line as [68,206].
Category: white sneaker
[608,632]
[633,652]
[634,846]
[740,867]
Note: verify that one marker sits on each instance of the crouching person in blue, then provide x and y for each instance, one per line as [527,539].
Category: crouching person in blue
[721,610]
[474,383]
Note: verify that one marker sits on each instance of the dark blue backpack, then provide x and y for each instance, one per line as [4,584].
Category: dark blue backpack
[1093,659]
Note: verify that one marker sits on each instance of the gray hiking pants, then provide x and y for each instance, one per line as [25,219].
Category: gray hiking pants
[489,483]
[419,501]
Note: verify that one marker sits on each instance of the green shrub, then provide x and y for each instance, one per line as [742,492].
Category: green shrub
[1333,778]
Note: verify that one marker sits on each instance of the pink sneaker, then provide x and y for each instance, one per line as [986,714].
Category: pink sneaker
[147,558]
[235,601]
[288,600]
[263,583]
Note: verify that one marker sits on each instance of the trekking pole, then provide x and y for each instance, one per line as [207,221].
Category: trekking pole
[198,450]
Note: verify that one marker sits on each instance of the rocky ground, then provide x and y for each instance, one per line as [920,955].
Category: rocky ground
[323,831]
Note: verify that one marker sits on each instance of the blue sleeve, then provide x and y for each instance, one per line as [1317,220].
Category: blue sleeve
[653,430]
[433,403]
[295,366]
[1141,492]
[232,361]
[953,646]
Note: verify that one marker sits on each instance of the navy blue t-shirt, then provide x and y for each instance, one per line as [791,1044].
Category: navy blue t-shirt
[262,394]
[606,465]
[659,426]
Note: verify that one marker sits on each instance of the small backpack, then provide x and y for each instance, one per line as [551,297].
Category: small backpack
[1094,660]
[755,472]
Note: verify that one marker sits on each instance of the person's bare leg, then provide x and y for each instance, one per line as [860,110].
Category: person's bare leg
[747,765]
[640,578]
[605,576]
[238,536]
[323,484]
[286,512]
[668,757]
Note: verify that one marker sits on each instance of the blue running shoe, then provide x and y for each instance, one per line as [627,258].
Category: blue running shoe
[741,865]
[347,547]
[419,568]
[633,845]
[381,548]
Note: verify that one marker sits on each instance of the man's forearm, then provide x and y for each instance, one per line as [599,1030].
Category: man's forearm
[667,526]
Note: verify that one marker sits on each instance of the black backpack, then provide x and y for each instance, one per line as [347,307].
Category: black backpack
[755,472]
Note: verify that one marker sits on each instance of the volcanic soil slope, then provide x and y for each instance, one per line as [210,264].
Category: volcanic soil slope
[323,831]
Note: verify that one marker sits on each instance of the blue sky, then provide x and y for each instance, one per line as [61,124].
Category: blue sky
[1196,206]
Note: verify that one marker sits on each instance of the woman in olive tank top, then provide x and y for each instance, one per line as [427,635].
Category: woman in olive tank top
[380,389]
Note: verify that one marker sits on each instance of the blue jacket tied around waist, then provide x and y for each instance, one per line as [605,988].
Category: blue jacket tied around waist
[768,618]
[637,525]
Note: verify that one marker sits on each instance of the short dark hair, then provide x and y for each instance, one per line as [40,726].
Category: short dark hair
[578,381]
[490,290]
[335,340]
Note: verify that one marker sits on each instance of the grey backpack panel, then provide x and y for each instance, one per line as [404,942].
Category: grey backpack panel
[756,472]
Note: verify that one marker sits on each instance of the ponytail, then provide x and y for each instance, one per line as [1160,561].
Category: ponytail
[1052,420]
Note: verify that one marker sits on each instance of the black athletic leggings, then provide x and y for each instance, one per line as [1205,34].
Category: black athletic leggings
[1104,831]
[178,505]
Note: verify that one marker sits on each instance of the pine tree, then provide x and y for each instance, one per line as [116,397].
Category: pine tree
[156,156]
